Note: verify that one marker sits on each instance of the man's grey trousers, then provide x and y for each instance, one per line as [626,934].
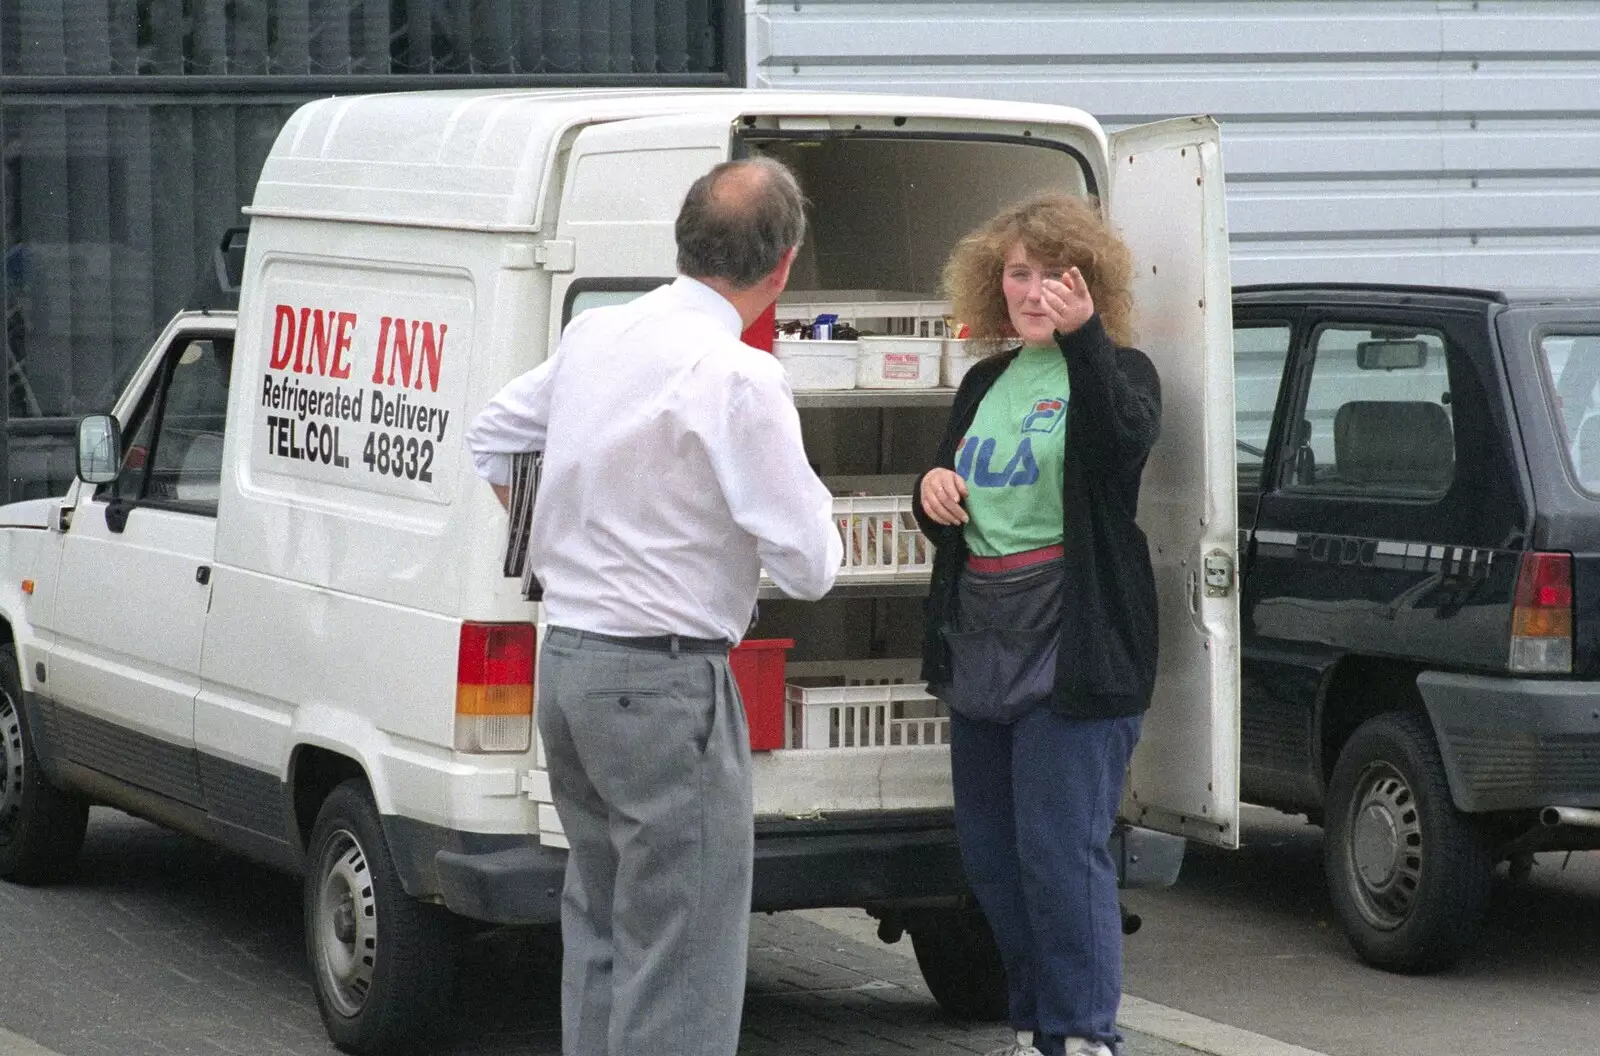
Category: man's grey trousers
[649,761]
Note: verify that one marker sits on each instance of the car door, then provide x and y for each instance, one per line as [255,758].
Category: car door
[1381,525]
[1166,200]
[133,584]
[1276,723]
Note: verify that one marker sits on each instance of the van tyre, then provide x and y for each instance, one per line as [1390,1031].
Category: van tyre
[41,826]
[960,963]
[382,963]
[1409,874]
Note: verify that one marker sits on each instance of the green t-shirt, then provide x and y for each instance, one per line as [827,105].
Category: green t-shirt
[1012,456]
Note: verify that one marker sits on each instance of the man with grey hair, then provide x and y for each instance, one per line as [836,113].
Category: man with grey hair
[673,475]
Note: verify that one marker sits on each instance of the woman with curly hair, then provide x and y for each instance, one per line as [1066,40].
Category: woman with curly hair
[1041,617]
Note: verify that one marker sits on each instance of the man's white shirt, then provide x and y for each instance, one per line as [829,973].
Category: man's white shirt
[673,471]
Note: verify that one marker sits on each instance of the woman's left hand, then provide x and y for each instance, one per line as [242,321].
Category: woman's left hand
[1067,302]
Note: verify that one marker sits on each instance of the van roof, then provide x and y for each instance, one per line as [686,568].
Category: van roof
[485,159]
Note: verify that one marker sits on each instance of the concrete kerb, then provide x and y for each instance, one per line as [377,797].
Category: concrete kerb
[17,1045]
[1145,1017]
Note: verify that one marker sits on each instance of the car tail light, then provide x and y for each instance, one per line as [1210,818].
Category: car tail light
[1541,619]
[494,687]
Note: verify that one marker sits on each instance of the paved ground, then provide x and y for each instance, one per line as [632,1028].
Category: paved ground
[1247,937]
[163,946]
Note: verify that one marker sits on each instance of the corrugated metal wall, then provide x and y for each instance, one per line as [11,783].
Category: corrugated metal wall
[1377,140]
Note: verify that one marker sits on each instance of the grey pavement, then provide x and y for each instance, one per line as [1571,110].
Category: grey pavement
[163,946]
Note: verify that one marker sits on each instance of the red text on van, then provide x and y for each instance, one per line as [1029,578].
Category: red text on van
[312,340]
[409,344]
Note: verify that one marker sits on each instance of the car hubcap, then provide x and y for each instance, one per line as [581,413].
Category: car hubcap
[1385,846]
[345,927]
[11,760]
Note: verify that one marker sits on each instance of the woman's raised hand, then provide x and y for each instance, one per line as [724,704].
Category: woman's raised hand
[942,492]
[1067,302]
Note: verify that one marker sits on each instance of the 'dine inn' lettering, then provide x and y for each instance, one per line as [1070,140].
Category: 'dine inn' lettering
[317,340]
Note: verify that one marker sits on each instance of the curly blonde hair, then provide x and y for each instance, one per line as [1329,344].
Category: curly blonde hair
[1058,229]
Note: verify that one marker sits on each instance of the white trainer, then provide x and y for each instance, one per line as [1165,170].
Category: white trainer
[1085,1047]
[1023,1046]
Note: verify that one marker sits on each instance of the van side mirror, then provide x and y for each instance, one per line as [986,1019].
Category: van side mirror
[99,449]
[1391,355]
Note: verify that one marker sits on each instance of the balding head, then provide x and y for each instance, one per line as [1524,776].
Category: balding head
[738,220]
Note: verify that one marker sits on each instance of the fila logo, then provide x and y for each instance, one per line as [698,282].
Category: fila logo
[1046,417]
[973,464]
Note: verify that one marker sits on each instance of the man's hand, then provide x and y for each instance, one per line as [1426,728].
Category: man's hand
[503,493]
[942,493]
[1067,302]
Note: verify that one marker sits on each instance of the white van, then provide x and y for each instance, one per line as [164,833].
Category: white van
[274,609]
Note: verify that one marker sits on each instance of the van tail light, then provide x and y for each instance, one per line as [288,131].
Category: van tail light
[494,687]
[1541,619]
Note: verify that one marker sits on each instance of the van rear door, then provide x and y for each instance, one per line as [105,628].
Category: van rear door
[1166,200]
[624,183]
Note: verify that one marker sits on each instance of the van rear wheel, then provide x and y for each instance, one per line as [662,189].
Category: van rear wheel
[382,963]
[41,826]
[1408,873]
[960,963]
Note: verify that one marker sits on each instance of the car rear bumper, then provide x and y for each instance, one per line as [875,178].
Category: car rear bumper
[798,865]
[1516,744]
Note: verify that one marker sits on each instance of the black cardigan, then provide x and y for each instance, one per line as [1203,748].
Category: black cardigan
[1107,662]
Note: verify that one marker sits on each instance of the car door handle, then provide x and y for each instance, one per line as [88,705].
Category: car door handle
[202,575]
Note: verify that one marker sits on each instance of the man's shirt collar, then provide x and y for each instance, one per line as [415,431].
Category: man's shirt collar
[700,295]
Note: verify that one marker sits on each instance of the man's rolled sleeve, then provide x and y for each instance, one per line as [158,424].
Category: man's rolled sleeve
[773,493]
[514,422]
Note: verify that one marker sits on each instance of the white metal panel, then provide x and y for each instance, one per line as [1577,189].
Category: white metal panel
[1380,140]
[1166,201]
[625,183]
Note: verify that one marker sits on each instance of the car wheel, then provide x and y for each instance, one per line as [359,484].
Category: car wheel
[1409,874]
[960,963]
[382,963]
[41,826]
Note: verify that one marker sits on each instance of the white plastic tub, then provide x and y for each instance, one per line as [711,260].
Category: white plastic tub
[813,365]
[955,359]
[898,363]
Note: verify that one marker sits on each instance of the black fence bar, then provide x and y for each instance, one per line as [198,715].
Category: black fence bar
[341,84]
[41,427]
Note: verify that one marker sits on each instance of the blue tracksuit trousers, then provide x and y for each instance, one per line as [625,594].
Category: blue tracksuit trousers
[1035,802]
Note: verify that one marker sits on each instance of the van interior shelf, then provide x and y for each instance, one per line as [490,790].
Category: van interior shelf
[874,398]
[888,585]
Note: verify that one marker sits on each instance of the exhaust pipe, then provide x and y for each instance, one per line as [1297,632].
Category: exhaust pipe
[1579,817]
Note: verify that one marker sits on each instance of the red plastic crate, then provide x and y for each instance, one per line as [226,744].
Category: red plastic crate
[758,669]
[760,334]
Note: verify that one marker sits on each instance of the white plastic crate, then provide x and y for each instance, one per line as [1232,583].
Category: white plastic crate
[872,308]
[881,537]
[862,704]
[882,543]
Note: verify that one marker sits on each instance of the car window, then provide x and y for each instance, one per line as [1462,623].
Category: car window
[1572,366]
[173,451]
[1259,352]
[1377,418]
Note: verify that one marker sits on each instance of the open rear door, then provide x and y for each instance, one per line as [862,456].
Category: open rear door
[623,186]
[1166,200]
